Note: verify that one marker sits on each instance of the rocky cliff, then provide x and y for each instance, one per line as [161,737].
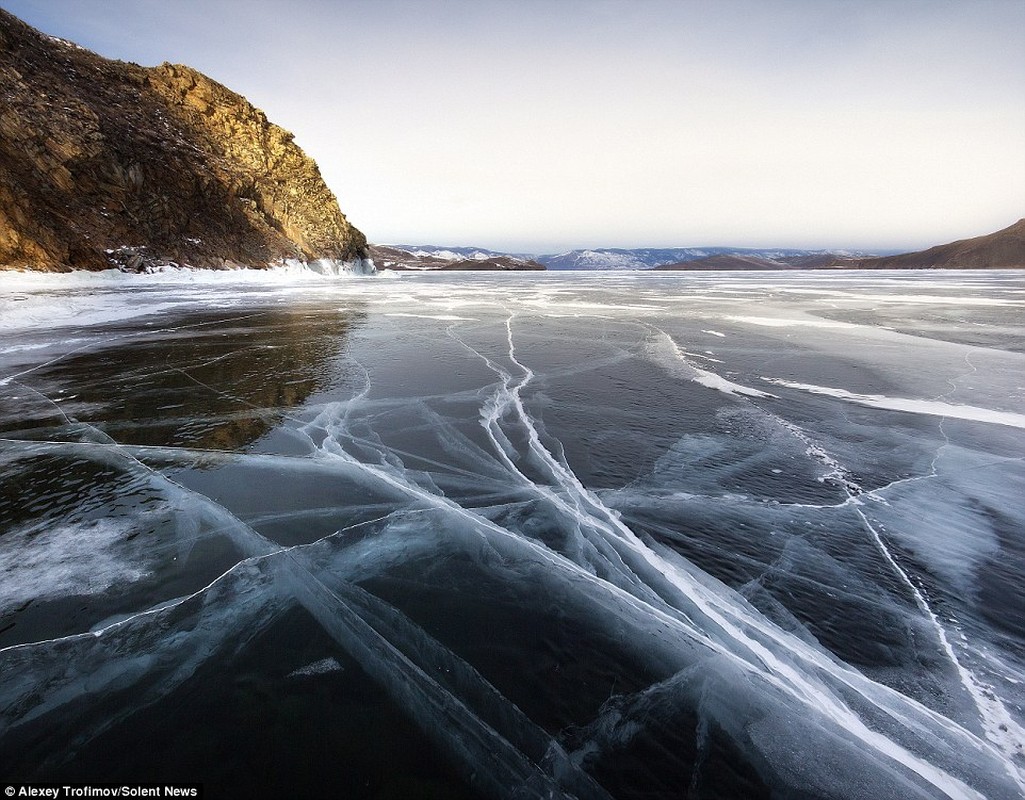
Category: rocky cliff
[109,164]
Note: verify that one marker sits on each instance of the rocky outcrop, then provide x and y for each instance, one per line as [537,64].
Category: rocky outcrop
[105,163]
[1005,248]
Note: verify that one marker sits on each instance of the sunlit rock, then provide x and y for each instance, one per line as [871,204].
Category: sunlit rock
[108,164]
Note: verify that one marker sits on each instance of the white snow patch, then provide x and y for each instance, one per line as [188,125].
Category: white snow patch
[27,299]
[934,408]
[442,317]
[784,322]
[322,667]
[668,354]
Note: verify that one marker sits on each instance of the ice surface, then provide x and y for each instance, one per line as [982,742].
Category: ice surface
[511,507]
[44,562]
[675,360]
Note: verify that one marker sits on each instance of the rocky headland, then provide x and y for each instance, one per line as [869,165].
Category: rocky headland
[1000,250]
[106,164]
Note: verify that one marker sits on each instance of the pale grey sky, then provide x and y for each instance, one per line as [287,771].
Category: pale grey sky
[540,125]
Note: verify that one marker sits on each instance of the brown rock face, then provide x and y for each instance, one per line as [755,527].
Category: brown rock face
[1005,248]
[104,163]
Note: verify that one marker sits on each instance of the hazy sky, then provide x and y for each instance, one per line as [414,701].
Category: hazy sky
[549,124]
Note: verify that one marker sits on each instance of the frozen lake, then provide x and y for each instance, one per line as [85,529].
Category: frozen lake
[627,535]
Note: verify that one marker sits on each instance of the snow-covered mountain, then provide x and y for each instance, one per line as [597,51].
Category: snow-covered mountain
[432,257]
[649,258]
[445,253]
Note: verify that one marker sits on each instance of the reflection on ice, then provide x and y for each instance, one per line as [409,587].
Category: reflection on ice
[502,521]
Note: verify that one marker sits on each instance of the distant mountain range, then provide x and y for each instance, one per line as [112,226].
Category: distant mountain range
[429,257]
[653,258]
[1003,249]
[441,257]
[814,259]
